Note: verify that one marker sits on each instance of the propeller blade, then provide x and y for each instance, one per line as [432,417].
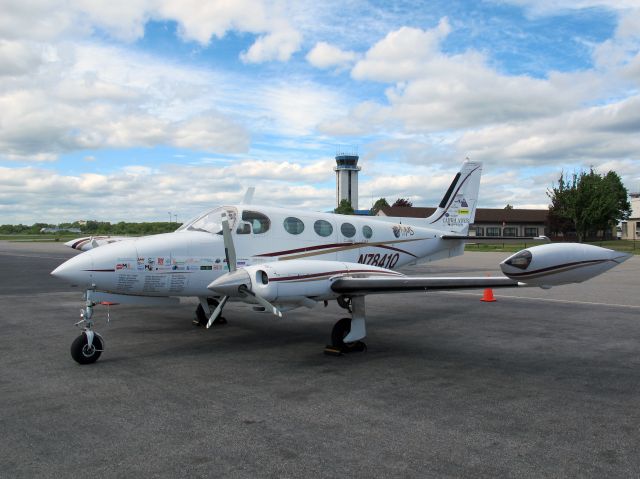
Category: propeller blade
[248,195]
[229,248]
[217,311]
[263,302]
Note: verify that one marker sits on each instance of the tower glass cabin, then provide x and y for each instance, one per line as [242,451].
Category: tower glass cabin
[347,178]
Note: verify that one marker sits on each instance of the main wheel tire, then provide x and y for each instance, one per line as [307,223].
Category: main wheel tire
[82,353]
[339,332]
[201,318]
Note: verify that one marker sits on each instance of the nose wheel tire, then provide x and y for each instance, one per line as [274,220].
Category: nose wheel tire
[82,353]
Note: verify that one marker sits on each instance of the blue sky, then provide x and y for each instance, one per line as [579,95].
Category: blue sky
[126,110]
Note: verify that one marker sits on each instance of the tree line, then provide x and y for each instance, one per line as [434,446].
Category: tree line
[94,228]
[345,208]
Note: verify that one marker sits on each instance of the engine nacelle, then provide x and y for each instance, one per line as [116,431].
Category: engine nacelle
[283,281]
[560,263]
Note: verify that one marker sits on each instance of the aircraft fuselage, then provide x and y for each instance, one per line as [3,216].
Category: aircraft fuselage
[185,262]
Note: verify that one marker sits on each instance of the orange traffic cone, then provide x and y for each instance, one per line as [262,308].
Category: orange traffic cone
[487,297]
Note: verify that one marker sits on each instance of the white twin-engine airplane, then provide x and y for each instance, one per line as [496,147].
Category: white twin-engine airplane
[280,259]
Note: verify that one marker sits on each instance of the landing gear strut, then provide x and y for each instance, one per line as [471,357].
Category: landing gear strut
[347,332]
[87,347]
[204,310]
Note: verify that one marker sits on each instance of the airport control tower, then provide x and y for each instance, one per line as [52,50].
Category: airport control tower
[347,177]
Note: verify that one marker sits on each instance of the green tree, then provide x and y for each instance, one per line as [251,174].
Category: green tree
[508,207]
[378,205]
[344,208]
[589,203]
[402,202]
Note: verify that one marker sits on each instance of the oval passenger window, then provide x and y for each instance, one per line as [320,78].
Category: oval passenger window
[323,228]
[348,230]
[293,225]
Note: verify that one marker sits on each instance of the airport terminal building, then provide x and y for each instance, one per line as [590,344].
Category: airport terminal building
[631,227]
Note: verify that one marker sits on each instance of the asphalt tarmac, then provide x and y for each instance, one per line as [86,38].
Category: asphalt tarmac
[537,384]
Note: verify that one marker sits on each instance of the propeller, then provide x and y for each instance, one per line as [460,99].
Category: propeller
[236,280]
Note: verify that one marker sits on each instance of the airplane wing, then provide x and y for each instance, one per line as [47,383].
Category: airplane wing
[379,285]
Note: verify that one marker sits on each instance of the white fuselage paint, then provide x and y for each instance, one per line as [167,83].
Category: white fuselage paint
[185,262]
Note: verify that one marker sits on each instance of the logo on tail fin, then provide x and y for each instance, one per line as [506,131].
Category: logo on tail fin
[457,209]
[458,212]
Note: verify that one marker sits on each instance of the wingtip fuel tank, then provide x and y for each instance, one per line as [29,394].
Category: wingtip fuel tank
[560,263]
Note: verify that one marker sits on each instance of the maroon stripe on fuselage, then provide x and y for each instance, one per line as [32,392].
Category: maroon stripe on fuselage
[305,249]
[332,245]
[327,273]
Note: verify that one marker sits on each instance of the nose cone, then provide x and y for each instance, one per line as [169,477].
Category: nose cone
[229,284]
[77,270]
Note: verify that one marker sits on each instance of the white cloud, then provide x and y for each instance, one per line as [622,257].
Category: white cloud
[138,192]
[550,7]
[434,91]
[93,96]
[590,135]
[18,58]
[125,20]
[296,108]
[325,55]
[402,55]
[278,45]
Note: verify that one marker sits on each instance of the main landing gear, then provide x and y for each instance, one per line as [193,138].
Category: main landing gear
[87,347]
[347,332]
[204,310]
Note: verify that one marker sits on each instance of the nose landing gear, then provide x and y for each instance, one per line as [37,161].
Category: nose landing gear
[87,347]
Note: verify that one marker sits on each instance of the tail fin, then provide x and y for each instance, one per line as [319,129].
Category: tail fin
[457,210]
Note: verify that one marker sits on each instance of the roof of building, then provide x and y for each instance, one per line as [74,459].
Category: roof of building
[483,215]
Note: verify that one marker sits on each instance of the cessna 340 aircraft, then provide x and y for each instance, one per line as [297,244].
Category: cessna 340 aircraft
[281,259]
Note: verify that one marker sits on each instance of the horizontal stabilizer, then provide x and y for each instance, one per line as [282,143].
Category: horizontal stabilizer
[499,239]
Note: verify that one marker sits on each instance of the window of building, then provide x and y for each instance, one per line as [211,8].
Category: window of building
[348,230]
[510,231]
[493,231]
[531,231]
[293,225]
[479,231]
[253,221]
[323,228]
[367,232]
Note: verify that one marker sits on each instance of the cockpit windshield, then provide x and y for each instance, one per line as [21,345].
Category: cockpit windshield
[211,222]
